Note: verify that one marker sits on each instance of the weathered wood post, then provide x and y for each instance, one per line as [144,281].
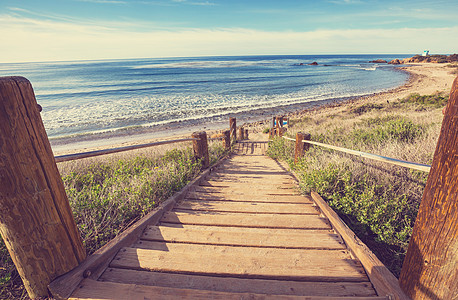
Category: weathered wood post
[227,140]
[200,147]
[233,129]
[301,146]
[279,126]
[36,220]
[246,134]
[240,133]
[430,269]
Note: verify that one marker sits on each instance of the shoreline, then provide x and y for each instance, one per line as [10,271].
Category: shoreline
[426,78]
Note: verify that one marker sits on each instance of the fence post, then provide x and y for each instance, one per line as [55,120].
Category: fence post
[280,125]
[36,221]
[430,267]
[200,147]
[227,140]
[240,134]
[233,129]
[301,146]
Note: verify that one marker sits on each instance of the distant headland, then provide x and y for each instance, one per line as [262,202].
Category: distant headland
[421,59]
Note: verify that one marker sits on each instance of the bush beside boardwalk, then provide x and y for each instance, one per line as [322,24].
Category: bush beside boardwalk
[378,201]
[109,193]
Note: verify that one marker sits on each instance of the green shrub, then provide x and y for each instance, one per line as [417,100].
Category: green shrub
[436,100]
[378,131]
[359,110]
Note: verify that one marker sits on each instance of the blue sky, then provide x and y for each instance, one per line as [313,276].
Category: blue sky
[46,30]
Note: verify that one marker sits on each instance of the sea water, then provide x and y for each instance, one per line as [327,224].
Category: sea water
[87,97]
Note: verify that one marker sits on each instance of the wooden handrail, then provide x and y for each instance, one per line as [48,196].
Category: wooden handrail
[68,157]
[394,161]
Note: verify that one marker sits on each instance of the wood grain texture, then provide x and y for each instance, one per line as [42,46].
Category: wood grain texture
[246,220]
[227,196]
[430,269]
[233,129]
[242,262]
[253,237]
[248,207]
[91,289]
[200,147]
[264,190]
[385,283]
[36,221]
[240,285]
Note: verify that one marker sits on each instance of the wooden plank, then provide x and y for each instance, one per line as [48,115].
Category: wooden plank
[63,286]
[243,262]
[248,198]
[267,190]
[384,281]
[255,237]
[252,178]
[259,186]
[91,289]
[240,285]
[247,207]
[246,220]
[253,181]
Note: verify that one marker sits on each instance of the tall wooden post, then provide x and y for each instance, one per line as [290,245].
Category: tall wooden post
[430,269]
[227,140]
[233,129]
[36,220]
[301,146]
[200,147]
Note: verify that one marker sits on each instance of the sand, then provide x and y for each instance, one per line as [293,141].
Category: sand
[425,79]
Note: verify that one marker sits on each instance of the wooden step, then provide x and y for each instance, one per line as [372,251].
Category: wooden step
[248,189]
[249,198]
[239,285]
[253,237]
[242,262]
[91,289]
[259,186]
[246,220]
[247,207]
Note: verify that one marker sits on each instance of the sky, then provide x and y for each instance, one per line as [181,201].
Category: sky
[63,30]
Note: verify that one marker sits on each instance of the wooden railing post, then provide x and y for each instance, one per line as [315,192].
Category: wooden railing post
[36,221]
[233,129]
[301,146]
[240,133]
[279,126]
[430,267]
[227,140]
[200,147]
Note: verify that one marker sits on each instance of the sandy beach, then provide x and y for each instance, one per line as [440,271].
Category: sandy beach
[425,79]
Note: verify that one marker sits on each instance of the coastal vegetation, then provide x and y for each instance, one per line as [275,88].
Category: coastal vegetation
[107,194]
[378,201]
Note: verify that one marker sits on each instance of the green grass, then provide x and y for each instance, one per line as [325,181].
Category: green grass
[109,195]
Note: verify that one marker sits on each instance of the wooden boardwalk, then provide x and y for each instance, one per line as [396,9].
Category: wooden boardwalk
[243,233]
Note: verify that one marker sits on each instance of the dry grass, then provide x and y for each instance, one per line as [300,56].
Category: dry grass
[379,201]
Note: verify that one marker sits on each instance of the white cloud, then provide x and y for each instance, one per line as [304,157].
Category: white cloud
[33,39]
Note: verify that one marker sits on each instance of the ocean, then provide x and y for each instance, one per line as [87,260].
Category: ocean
[90,98]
